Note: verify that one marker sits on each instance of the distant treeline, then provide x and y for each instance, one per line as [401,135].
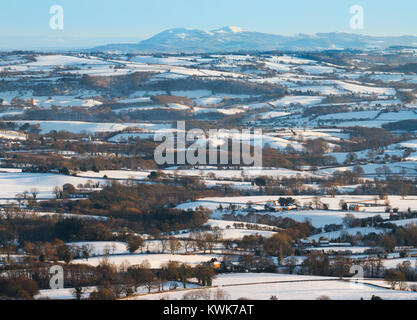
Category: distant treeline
[404,125]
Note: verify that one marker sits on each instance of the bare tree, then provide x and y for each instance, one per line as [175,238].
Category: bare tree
[78,292]
[174,245]
[34,192]
[197,295]
[86,250]
[58,192]
[220,294]
[20,198]
[164,244]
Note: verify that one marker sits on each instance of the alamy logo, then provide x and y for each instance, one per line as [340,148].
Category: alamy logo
[57,20]
[219,147]
[357,20]
[358,275]
[57,279]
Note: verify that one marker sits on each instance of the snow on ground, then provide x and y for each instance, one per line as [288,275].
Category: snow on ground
[397,116]
[303,100]
[319,218]
[286,59]
[68,293]
[192,94]
[224,224]
[100,248]
[408,168]
[392,263]
[272,114]
[353,249]
[11,113]
[12,135]
[50,62]
[412,144]
[239,185]
[217,98]
[247,278]
[173,61]
[357,115]
[10,170]
[177,106]
[62,294]
[155,260]
[290,287]
[135,100]
[357,87]
[238,174]
[374,118]
[79,126]
[333,202]
[114,174]
[233,234]
[12,183]
[126,136]
[63,215]
[266,140]
[321,90]
[65,101]
[226,111]
[351,231]
[229,232]
[318,69]
[405,222]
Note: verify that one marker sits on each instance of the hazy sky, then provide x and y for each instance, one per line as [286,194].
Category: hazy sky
[25,23]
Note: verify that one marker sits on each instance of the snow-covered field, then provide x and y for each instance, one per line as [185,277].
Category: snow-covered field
[155,260]
[115,174]
[238,174]
[319,218]
[329,249]
[302,100]
[12,183]
[351,231]
[79,126]
[290,287]
[292,99]
[99,248]
[392,263]
[230,232]
[62,294]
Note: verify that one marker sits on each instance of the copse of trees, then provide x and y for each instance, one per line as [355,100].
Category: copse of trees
[312,156]
[48,229]
[122,83]
[368,138]
[279,245]
[134,243]
[320,264]
[114,283]
[394,185]
[150,206]
[408,125]
[297,230]
[20,288]
[45,163]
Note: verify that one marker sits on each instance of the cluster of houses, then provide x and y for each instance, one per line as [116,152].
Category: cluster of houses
[356,206]
[276,206]
[283,204]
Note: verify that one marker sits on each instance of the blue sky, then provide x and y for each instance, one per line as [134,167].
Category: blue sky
[25,23]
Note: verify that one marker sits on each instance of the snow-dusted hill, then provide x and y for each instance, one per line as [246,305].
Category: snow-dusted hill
[234,39]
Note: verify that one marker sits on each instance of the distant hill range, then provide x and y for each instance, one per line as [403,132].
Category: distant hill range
[230,39]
